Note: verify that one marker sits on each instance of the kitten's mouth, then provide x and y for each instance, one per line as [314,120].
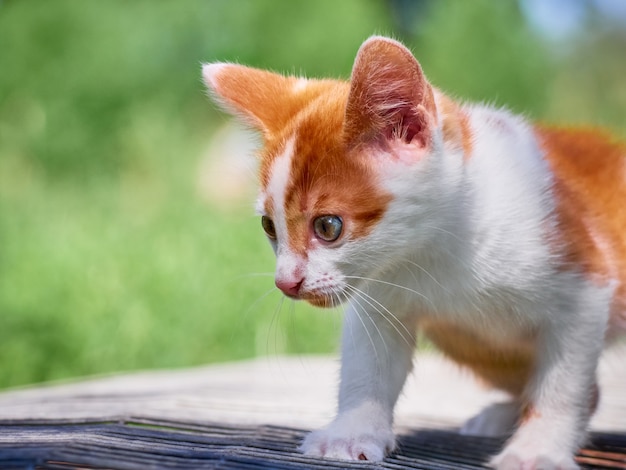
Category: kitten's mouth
[323,300]
[319,296]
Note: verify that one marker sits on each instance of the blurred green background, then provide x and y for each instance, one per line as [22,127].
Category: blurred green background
[120,250]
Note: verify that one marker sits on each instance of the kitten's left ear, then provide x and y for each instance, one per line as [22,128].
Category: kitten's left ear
[263,99]
[389,97]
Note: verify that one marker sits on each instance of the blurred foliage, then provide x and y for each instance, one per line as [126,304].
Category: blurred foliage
[110,258]
[459,53]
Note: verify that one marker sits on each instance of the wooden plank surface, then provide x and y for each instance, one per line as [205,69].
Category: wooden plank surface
[253,414]
[142,443]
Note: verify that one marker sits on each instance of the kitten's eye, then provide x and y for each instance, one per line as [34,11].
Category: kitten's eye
[328,227]
[268,226]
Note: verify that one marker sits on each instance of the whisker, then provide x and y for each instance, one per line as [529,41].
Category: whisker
[339,304]
[343,309]
[249,275]
[274,324]
[444,288]
[444,231]
[363,295]
[354,305]
[244,317]
[421,268]
[387,283]
[408,269]
[371,340]
[292,323]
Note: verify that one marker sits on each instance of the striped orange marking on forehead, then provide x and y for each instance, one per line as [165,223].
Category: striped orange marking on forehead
[302,96]
[590,187]
[327,178]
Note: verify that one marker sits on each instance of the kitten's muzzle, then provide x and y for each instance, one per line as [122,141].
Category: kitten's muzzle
[294,289]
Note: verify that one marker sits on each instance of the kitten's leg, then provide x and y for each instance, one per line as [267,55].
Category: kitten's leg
[554,420]
[377,352]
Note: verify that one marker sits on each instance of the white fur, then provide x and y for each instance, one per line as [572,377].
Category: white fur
[277,187]
[300,85]
[466,242]
[210,72]
[288,264]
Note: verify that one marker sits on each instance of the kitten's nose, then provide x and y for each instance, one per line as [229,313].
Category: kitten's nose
[289,287]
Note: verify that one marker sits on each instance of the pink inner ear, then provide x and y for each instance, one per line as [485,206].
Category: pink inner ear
[410,125]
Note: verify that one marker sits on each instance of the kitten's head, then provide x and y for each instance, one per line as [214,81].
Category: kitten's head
[335,200]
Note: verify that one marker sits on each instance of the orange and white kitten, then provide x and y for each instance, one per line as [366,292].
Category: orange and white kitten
[503,241]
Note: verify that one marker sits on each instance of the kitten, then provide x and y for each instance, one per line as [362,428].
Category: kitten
[503,241]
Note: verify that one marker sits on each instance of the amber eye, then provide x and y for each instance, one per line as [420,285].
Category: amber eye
[328,227]
[268,226]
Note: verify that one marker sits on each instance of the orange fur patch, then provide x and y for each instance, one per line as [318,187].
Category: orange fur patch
[506,366]
[267,100]
[455,124]
[590,187]
[306,98]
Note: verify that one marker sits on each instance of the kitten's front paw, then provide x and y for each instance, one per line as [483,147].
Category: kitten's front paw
[535,450]
[363,433]
[330,444]
[539,445]
[513,460]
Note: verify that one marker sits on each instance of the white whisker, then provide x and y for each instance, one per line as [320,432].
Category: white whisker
[387,283]
[444,231]
[354,305]
[429,275]
[244,317]
[248,275]
[363,295]
[274,324]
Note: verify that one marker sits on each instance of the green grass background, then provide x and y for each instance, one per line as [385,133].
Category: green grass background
[110,258]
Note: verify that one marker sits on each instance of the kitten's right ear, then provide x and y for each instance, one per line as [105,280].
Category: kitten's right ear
[261,98]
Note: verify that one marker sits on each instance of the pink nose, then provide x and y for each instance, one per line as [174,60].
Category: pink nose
[289,287]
